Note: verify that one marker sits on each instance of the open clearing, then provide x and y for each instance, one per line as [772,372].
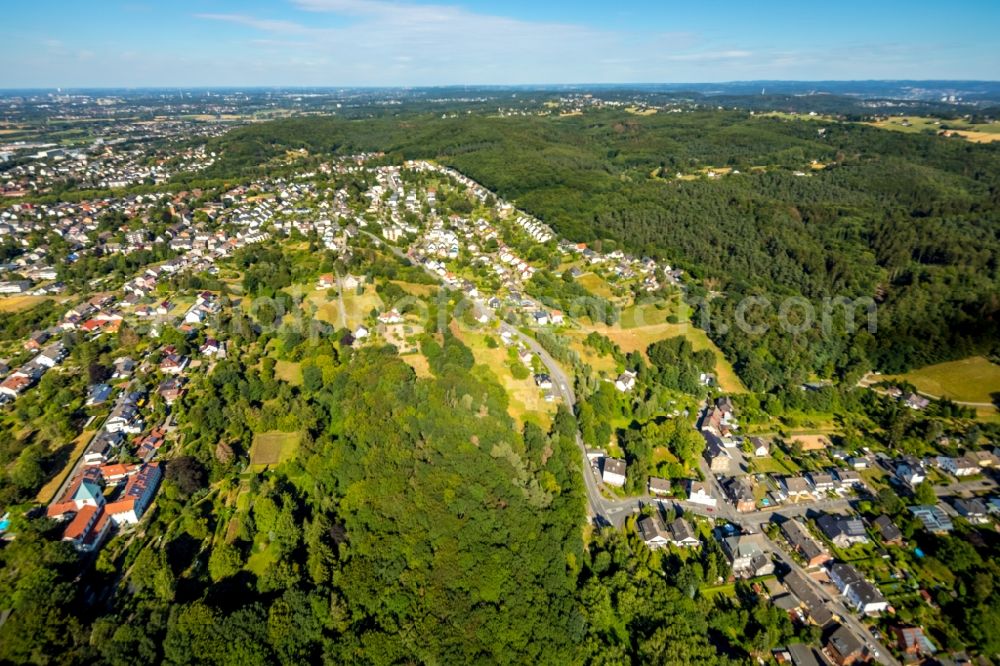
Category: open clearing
[595,284]
[527,402]
[977,133]
[20,303]
[272,448]
[640,337]
[357,307]
[415,288]
[419,364]
[49,490]
[973,379]
[589,355]
[288,371]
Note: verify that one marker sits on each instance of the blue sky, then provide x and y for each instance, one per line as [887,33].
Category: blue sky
[69,43]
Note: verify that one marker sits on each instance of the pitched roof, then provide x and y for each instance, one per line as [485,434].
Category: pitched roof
[88,491]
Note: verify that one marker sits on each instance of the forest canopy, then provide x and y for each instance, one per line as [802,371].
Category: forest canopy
[818,209]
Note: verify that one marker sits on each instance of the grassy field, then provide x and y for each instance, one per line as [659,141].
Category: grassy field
[289,372]
[49,490]
[272,448]
[20,303]
[595,284]
[640,337]
[589,355]
[527,403]
[977,133]
[972,379]
[419,364]
[415,288]
[356,306]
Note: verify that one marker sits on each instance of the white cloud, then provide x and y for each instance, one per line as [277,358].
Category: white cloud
[421,44]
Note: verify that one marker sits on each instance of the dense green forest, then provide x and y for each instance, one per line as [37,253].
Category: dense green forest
[910,221]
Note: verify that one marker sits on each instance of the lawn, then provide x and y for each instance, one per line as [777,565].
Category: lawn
[262,558]
[288,371]
[272,448]
[770,465]
[48,491]
[727,589]
[972,379]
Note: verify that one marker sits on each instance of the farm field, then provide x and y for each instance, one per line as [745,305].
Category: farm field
[10,304]
[977,133]
[973,379]
[273,448]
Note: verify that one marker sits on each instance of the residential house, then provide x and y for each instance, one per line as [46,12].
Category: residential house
[654,533]
[822,482]
[613,472]
[625,381]
[740,493]
[916,401]
[858,592]
[844,648]
[98,394]
[173,364]
[849,478]
[101,448]
[960,466]
[933,518]
[804,544]
[887,530]
[817,611]
[974,510]
[543,381]
[146,447]
[124,367]
[910,471]
[210,348]
[797,488]
[984,458]
[660,487]
[699,494]
[912,641]
[15,385]
[748,555]
[37,339]
[760,447]
[683,535]
[171,389]
[843,531]
[720,461]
